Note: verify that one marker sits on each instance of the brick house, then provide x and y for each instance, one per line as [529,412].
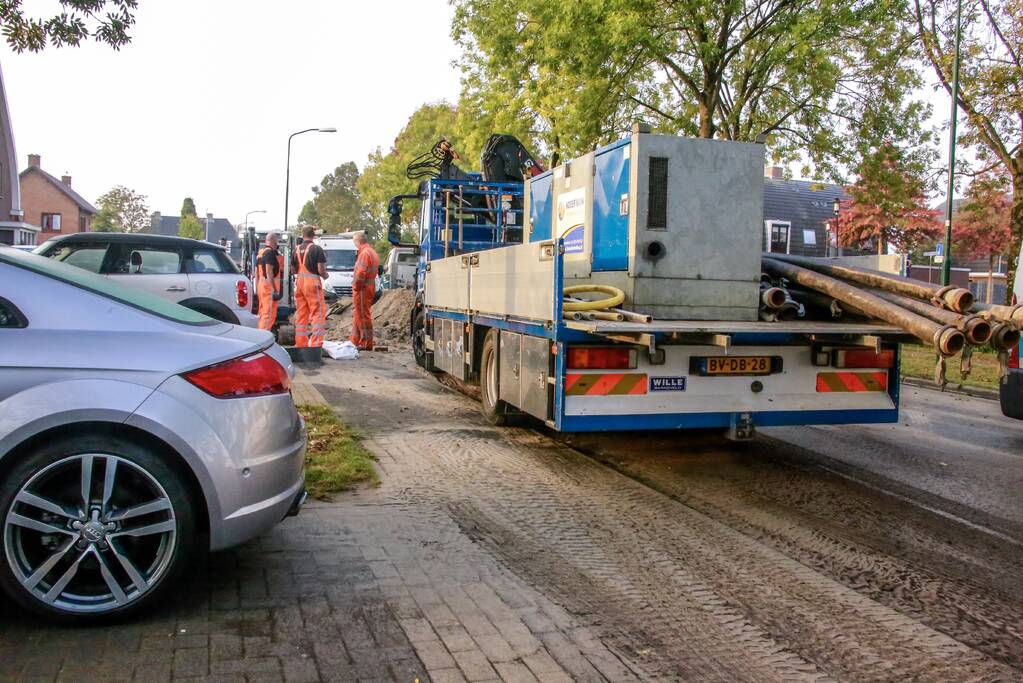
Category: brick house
[51,204]
[13,229]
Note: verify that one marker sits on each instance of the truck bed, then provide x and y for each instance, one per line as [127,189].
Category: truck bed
[604,327]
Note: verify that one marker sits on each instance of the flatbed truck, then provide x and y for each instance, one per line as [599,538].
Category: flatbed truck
[677,225]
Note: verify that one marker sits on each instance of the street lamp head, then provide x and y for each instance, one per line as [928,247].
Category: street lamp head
[328,130]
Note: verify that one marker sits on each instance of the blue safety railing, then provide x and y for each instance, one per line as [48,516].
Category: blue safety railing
[471,215]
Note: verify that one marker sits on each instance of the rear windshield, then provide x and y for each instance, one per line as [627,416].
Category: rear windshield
[104,287]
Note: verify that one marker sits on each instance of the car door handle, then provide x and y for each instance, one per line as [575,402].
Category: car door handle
[176,288]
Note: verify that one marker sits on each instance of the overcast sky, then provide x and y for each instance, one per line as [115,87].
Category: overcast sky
[202,101]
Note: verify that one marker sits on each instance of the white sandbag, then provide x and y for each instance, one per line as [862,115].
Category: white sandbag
[345,350]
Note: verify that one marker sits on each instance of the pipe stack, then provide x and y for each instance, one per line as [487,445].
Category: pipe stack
[946,318]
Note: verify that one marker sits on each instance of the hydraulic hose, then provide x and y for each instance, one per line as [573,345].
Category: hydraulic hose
[616,298]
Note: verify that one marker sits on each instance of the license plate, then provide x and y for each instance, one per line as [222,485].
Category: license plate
[736,365]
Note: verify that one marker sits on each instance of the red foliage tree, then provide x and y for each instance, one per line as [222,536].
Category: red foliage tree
[887,207]
[980,228]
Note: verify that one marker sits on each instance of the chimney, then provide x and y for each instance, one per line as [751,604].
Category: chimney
[35,160]
[66,179]
[774,172]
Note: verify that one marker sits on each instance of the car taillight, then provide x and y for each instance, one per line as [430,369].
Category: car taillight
[255,375]
[601,358]
[863,358]
[242,293]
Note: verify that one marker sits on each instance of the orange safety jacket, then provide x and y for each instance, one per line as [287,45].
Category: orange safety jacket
[367,265]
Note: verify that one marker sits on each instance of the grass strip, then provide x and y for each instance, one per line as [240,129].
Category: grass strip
[335,459]
[918,361]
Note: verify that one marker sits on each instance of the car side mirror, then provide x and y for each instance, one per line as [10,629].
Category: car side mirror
[136,261]
[394,220]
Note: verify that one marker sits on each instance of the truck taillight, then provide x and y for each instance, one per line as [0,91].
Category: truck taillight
[601,358]
[242,293]
[862,358]
[255,375]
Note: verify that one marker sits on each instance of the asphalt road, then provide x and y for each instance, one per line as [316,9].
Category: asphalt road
[954,453]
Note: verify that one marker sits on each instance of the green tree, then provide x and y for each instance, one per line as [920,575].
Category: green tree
[188,207]
[384,174]
[990,87]
[308,215]
[104,21]
[338,204]
[191,227]
[121,210]
[811,75]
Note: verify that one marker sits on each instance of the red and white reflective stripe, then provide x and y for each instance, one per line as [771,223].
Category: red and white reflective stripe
[605,384]
[828,382]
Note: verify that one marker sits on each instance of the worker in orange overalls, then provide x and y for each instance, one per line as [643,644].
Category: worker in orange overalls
[367,266]
[269,271]
[311,309]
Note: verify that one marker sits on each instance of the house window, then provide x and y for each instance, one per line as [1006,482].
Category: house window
[83,223]
[51,221]
[776,234]
[810,238]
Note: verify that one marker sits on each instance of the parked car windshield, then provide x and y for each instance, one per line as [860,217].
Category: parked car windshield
[105,287]
[340,259]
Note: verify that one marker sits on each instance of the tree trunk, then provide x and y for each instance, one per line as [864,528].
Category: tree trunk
[706,119]
[1015,227]
[990,279]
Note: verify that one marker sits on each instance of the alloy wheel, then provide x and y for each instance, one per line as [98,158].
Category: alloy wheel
[90,533]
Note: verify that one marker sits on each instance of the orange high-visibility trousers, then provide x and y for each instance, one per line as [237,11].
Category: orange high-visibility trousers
[267,305]
[362,317]
[310,311]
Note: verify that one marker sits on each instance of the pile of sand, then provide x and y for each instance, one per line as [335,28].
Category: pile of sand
[390,318]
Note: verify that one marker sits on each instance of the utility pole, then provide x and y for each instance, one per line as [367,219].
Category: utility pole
[946,264]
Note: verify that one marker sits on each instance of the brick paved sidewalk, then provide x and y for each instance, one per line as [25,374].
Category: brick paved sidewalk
[371,587]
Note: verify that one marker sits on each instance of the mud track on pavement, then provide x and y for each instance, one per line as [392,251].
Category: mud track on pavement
[698,559]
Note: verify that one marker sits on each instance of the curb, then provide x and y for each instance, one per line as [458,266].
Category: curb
[975,392]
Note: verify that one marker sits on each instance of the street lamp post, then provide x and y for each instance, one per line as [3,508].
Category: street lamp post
[287,176]
[249,213]
[946,264]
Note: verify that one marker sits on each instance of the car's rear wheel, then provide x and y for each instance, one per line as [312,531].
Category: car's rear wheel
[93,527]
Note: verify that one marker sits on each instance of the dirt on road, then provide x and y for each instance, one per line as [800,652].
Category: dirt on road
[390,318]
[697,559]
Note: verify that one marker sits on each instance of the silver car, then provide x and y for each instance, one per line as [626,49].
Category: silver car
[131,430]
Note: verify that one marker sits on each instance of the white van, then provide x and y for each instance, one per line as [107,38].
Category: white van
[1011,390]
[341,251]
[400,270]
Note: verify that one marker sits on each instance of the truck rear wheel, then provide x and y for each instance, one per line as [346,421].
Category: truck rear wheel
[495,410]
[424,358]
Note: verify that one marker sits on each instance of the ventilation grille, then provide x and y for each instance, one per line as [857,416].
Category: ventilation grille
[657,200]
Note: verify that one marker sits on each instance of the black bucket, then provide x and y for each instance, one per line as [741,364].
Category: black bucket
[305,354]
